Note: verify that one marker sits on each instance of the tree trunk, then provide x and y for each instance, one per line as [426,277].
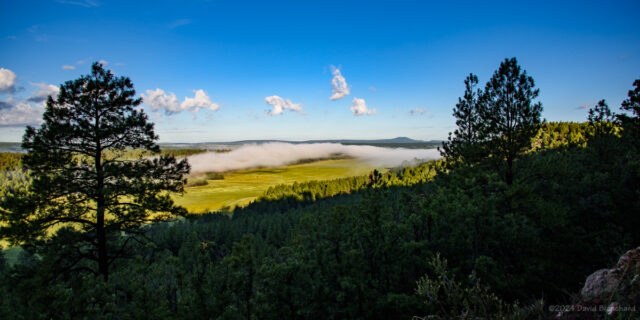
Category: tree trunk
[509,175]
[103,265]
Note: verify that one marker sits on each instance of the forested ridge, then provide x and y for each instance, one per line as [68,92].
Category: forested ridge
[355,248]
[499,229]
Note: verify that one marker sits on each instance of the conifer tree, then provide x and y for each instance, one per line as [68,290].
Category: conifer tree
[81,180]
[509,114]
[631,123]
[601,118]
[464,145]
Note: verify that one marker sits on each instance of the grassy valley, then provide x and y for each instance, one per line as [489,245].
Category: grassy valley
[239,188]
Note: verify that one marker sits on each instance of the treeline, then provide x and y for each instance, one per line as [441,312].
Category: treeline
[315,190]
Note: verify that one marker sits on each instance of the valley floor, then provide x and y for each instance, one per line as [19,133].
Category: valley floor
[238,188]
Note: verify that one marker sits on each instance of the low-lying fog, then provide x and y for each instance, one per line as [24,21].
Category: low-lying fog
[276,154]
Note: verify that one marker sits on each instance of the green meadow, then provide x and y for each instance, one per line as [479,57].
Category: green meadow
[238,188]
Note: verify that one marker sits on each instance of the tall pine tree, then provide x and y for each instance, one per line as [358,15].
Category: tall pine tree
[82,180]
[509,113]
[465,144]
[631,123]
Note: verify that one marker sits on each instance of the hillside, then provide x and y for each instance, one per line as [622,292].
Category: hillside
[372,246]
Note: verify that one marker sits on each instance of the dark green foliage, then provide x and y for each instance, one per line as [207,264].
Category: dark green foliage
[632,104]
[465,145]
[631,123]
[497,123]
[510,114]
[600,113]
[601,119]
[80,178]
[450,299]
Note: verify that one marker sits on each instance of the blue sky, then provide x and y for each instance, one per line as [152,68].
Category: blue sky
[263,70]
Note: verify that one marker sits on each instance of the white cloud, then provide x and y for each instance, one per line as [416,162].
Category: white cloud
[68,67]
[45,91]
[20,113]
[338,85]
[279,105]
[160,100]
[27,111]
[417,111]
[8,81]
[359,108]
[200,101]
[104,63]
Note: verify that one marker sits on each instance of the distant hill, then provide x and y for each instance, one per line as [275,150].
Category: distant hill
[399,142]
[10,147]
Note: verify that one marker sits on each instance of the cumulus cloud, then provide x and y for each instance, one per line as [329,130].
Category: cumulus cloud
[22,112]
[200,101]
[43,94]
[104,63]
[339,85]
[14,113]
[159,100]
[417,111]
[359,108]
[279,105]
[280,153]
[68,67]
[8,81]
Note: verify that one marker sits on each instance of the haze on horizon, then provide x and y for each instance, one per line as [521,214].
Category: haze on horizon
[275,154]
[218,71]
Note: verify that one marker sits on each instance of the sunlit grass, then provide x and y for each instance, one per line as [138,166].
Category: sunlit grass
[239,188]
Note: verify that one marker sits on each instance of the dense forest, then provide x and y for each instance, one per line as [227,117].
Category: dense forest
[470,237]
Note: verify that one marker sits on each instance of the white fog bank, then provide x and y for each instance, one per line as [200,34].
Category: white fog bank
[279,154]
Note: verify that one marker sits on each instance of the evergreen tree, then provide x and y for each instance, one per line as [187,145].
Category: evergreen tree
[601,119]
[509,113]
[80,178]
[632,103]
[465,143]
[631,123]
